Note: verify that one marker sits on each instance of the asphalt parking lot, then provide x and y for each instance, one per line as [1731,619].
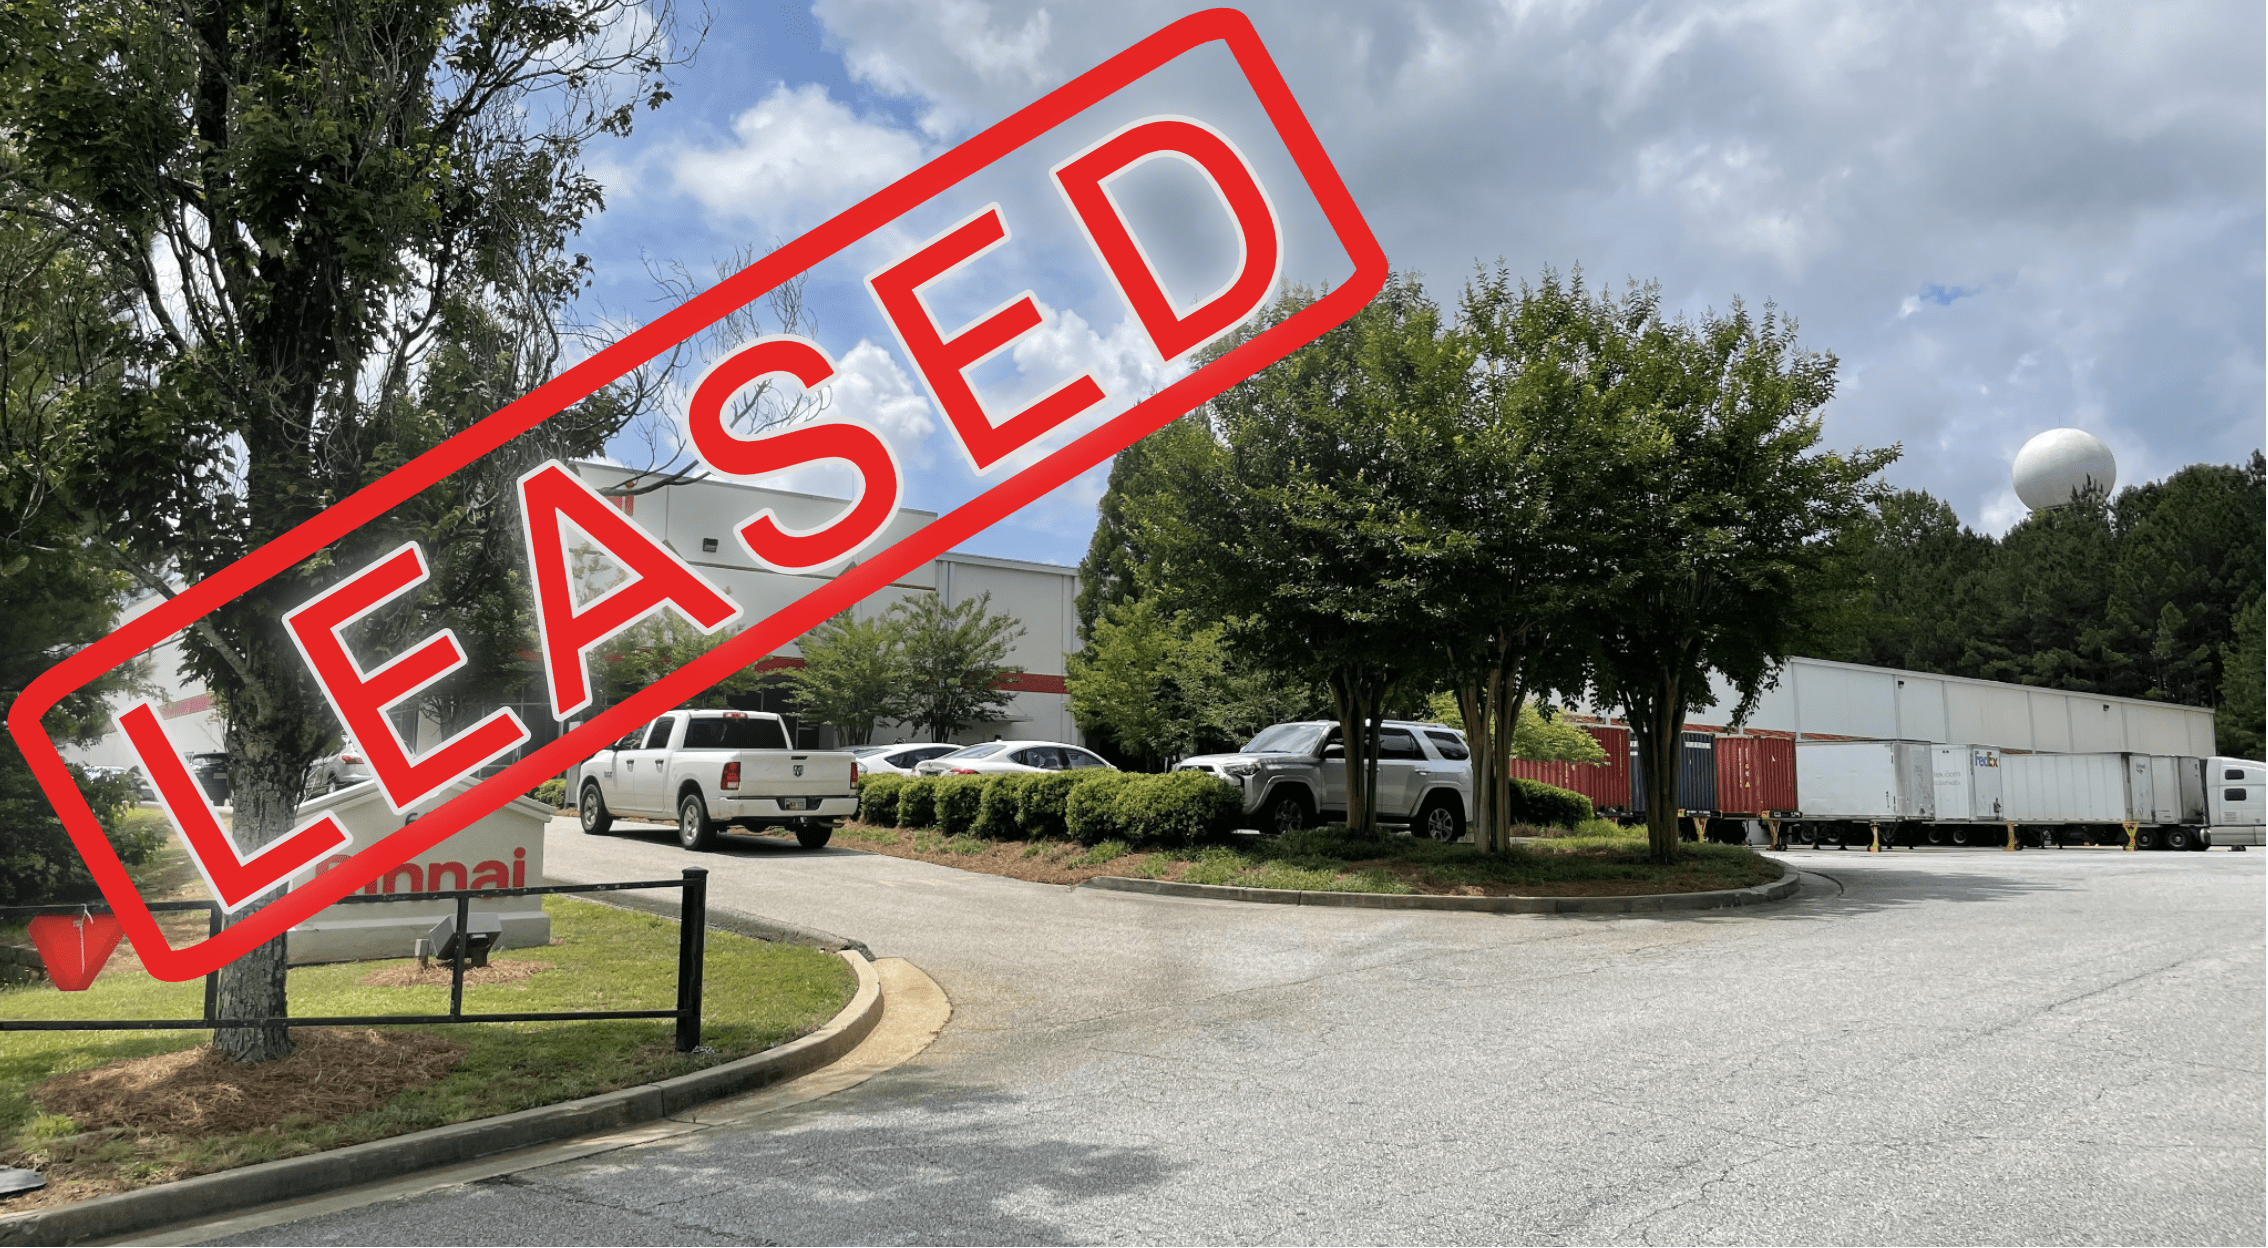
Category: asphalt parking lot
[1934,1046]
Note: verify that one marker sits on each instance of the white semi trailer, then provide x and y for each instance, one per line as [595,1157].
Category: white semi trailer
[1889,793]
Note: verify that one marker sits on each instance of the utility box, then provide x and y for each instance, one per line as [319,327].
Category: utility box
[501,849]
[1871,780]
[1965,782]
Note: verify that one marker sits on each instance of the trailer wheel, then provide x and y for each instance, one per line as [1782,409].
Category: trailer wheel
[2179,839]
[1936,835]
[2146,838]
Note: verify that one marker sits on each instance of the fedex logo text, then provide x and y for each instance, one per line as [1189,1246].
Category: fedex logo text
[558,509]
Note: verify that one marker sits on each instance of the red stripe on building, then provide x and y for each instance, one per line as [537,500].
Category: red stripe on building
[187,706]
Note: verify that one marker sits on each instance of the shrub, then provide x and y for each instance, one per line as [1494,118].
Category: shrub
[878,799]
[552,792]
[1177,808]
[1090,810]
[996,814]
[1535,802]
[957,800]
[917,802]
[1039,804]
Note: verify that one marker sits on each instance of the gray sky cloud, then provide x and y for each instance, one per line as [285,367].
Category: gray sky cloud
[2001,218]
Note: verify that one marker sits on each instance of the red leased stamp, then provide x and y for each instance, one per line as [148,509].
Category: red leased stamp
[552,498]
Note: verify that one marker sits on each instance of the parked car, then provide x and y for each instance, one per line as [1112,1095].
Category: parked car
[996,757]
[712,768]
[211,770]
[333,772]
[1293,774]
[897,760]
[143,791]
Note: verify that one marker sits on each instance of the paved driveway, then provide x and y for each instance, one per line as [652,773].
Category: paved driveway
[1922,1047]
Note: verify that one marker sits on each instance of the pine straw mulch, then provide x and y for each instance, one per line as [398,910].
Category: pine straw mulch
[147,1107]
[332,1072]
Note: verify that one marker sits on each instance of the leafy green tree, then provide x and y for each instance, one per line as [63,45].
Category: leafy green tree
[1517,509]
[2045,608]
[955,657]
[854,673]
[1535,739]
[1300,527]
[2240,722]
[659,645]
[1726,559]
[303,199]
[1130,683]
[1926,573]
[1140,501]
[2190,556]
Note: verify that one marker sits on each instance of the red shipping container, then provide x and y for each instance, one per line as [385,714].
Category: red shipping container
[1606,784]
[1755,775]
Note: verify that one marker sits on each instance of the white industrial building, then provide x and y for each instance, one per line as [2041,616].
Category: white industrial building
[697,519]
[1822,700]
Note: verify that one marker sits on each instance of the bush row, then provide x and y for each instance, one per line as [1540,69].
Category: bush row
[1178,808]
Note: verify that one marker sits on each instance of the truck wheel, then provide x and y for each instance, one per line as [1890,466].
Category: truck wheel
[694,831]
[1440,819]
[2179,839]
[813,835]
[1286,812]
[596,820]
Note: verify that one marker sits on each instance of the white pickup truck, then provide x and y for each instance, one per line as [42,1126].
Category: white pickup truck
[707,769]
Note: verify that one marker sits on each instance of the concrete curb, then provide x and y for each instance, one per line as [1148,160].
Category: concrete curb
[733,921]
[1649,903]
[210,1195]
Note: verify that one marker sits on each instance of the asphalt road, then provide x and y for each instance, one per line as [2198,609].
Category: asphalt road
[1936,1046]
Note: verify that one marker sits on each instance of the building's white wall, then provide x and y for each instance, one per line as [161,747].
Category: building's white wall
[688,516]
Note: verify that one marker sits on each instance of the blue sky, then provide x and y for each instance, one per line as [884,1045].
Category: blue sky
[2001,218]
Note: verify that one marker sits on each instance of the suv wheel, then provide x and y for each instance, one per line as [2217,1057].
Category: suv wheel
[1440,819]
[1286,811]
[812,834]
[694,831]
[596,820]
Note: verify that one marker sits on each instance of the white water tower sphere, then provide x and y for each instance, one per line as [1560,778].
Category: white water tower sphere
[2059,461]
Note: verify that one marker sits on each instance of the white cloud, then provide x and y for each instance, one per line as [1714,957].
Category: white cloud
[798,157]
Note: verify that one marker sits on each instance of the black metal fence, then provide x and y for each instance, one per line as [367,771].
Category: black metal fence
[692,928]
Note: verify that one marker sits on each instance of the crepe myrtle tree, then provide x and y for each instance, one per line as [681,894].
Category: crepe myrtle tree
[1726,557]
[305,200]
[954,660]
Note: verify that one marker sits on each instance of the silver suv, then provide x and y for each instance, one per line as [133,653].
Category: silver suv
[1294,774]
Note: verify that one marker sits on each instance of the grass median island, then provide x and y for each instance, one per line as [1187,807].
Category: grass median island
[100,1112]
[1596,859]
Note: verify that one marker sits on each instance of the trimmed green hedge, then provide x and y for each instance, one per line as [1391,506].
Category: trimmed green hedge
[1090,810]
[878,799]
[1176,809]
[1548,805]
[996,818]
[1039,804]
[1179,808]
[917,802]
[958,798]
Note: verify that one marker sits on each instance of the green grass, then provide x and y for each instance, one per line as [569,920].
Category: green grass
[1107,851]
[756,996]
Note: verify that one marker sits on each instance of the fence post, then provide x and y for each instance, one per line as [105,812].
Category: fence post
[212,977]
[692,931]
[457,966]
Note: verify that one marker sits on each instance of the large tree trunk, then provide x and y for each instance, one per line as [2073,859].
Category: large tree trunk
[1660,728]
[1356,695]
